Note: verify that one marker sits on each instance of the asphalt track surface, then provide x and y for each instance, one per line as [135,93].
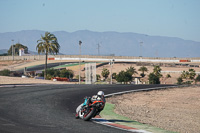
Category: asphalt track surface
[41,66]
[51,108]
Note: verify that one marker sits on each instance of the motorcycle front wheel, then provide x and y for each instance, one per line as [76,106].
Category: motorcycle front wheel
[88,115]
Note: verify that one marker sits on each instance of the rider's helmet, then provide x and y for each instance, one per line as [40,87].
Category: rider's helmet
[100,93]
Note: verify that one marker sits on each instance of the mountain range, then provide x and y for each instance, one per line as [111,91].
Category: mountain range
[107,43]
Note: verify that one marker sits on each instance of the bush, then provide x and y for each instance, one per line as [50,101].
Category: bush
[105,72]
[5,72]
[188,82]
[197,78]
[66,73]
[179,81]
[114,75]
[153,79]
[15,74]
[124,77]
[98,77]
[48,77]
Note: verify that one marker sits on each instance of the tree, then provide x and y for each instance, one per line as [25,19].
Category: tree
[188,75]
[105,73]
[192,74]
[98,77]
[131,70]
[48,44]
[5,72]
[184,74]
[66,73]
[114,75]
[197,78]
[153,79]
[157,71]
[179,81]
[168,76]
[17,46]
[143,69]
[124,77]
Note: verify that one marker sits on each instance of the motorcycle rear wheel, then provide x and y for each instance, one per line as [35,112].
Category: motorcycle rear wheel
[90,114]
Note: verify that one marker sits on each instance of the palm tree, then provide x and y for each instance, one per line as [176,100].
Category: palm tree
[131,70]
[105,72]
[47,44]
[143,69]
[157,71]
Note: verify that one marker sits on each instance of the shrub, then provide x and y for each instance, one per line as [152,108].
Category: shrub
[5,72]
[154,79]
[98,77]
[124,77]
[179,81]
[15,74]
[105,72]
[188,82]
[66,73]
[197,78]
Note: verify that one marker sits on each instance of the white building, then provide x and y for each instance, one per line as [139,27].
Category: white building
[23,52]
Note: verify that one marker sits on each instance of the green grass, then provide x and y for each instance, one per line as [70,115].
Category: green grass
[108,113]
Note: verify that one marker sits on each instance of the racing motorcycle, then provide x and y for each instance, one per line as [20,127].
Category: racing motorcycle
[90,111]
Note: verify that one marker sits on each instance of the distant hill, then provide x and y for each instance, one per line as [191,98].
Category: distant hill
[115,43]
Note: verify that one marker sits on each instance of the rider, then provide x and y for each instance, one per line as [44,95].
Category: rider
[98,97]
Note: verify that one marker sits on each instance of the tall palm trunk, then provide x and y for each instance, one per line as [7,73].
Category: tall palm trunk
[47,44]
[45,69]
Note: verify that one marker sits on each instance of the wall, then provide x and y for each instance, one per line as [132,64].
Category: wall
[99,58]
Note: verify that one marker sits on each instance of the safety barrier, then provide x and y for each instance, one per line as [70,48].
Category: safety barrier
[60,79]
[184,61]
[51,58]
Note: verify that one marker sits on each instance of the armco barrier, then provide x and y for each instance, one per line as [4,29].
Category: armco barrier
[184,61]
[51,58]
[60,79]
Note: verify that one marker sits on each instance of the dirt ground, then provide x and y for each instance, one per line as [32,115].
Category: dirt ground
[175,72]
[19,80]
[175,109]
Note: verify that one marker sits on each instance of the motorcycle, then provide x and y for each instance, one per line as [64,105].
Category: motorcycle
[90,111]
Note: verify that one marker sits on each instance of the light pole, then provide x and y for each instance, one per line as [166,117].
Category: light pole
[111,62]
[80,62]
[12,50]
[98,47]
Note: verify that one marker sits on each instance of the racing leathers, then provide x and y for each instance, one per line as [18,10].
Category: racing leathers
[89,100]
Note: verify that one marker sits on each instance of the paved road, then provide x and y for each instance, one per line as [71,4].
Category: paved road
[41,66]
[51,108]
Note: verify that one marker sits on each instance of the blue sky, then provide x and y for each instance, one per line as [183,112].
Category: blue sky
[173,18]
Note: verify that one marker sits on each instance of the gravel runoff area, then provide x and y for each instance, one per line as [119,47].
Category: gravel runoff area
[174,109]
